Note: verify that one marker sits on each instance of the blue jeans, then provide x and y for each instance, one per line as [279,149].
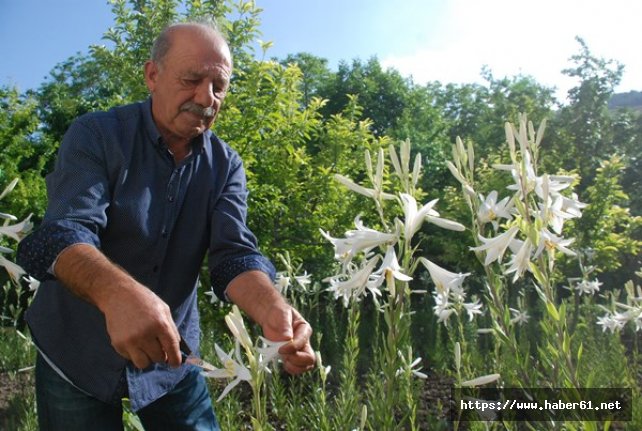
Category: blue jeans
[63,407]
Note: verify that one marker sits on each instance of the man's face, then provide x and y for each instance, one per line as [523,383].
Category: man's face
[189,84]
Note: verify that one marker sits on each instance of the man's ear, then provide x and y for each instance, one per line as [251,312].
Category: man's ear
[151,72]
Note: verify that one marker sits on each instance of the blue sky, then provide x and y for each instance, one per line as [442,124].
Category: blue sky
[445,40]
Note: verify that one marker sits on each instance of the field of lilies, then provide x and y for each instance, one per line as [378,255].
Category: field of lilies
[391,325]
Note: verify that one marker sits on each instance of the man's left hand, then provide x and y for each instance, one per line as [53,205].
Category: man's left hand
[283,324]
[254,293]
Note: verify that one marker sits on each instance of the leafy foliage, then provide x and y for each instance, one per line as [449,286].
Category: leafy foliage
[607,229]
[296,123]
[23,154]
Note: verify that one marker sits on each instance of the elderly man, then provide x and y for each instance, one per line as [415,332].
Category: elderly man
[138,196]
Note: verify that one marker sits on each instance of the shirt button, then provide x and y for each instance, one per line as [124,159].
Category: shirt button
[170,198]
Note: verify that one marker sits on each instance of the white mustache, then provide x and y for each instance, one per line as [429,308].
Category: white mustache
[197,109]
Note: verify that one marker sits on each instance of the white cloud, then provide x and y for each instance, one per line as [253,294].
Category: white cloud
[530,38]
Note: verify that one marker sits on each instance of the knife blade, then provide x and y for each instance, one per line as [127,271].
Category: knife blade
[189,358]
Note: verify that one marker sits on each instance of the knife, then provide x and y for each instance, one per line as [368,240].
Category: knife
[189,358]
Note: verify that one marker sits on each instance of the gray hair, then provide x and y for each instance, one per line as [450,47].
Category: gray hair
[163,41]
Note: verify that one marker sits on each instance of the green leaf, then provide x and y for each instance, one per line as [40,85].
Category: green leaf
[552,311]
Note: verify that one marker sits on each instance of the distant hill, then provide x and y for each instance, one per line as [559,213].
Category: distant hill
[632,99]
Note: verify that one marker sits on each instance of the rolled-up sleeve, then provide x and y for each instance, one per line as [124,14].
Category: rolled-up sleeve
[38,251]
[227,270]
[78,198]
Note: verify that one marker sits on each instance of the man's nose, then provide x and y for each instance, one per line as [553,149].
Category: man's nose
[204,94]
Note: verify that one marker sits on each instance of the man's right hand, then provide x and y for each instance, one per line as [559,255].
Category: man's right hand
[141,327]
[139,323]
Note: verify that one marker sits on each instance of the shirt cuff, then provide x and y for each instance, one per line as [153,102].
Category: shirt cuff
[227,270]
[39,250]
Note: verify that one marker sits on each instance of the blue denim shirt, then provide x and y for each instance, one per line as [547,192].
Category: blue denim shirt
[116,186]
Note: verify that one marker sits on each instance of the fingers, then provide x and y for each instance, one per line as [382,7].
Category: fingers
[300,361]
[144,352]
[142,330]
[298,356]
[302,331]
[140,359]
[169,340]
[171,351]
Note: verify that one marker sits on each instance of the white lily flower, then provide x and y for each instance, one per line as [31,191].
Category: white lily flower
[444,280]
[9,188]
[303,280]
[470,192]
[33,283]
[269,350]
[350,286]
[389,268]
[520,261]
[554,216]
[609,322]
[629,315]
[496,247]
[232,369]
[453,170]
[212,295]
[416,169]
[324,371]
[15,271]
[524,176]
[236,324]
[572,205]
[445,223]
[490,210]
[519,317]
[556,183]
[5,249]
[356,241]
[414,369]
[8,217]
[282,283]
[414,218]
[552,242]
[504,167]
[588,287]
[371,193]
[479,381]
[19,230]
[472,308]
[443,308]
[457,293]
[443,314]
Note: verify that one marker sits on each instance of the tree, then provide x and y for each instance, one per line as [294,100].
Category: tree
[583,131]
[477,112]
[382,94]
[315,73]
[22,154]
[607,228]
[266,117]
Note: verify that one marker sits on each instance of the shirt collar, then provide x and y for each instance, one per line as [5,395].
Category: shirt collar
[198,143]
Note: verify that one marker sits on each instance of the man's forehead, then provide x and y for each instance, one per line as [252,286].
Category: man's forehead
[184,36]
